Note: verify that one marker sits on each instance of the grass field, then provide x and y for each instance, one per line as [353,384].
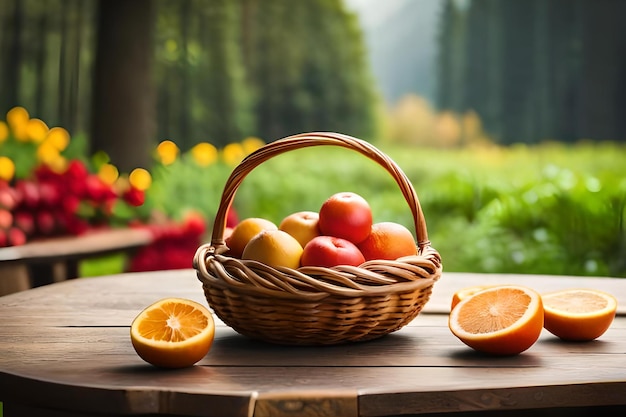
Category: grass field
[547,209]
[550,209]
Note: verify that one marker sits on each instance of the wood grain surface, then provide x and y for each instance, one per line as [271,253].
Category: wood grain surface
[65,350]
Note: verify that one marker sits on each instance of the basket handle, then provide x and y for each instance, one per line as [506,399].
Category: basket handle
[305,140]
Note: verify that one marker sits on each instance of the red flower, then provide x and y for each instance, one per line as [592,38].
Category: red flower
[194,224]
[134,197]
[231,217]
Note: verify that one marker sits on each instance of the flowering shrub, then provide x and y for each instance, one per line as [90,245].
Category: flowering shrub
[48,187]
[186,190]
[44,191]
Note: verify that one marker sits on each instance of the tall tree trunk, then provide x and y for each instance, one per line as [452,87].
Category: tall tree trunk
[62,93]
[185,79]
[40,64]
[603,69]
[15,56]
[73,110]
[123,122]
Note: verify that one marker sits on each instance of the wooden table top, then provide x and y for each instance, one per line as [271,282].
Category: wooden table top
[66,347]
[97,241]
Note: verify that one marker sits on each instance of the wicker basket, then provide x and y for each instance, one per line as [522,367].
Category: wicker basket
[316,305]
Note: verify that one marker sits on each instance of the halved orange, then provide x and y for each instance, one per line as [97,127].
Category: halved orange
[499,320]
[466,292]
[578,314]
[173,333]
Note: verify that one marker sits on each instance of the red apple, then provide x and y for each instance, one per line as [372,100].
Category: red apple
[329,251]
[346,215]
[302,225]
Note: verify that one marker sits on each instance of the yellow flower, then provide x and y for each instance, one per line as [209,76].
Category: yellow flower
[108,173]
[59,138]
[204,154]
[233,153]
[18,118]
[47,153]
[140,178]
[7,168]
[121,184]
[17,115]
[167,152]
[251,144]
[36,130]
[4,131]
[58,164]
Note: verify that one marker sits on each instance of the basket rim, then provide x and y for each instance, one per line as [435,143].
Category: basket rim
[371,279]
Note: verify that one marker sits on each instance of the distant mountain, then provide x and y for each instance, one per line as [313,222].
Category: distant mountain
[401,38]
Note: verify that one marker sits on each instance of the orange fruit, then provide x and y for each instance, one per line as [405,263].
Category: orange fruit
[466,292]
[578,314]
[243,232]
[275,248]
[173,333]
[388,240]
[346,215]
[500,320]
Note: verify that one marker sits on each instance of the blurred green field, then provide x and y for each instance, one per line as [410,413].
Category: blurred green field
[547,209]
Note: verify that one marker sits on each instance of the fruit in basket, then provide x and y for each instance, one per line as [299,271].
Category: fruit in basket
[329,251]
[578,314]
[275,248]
[244,231]
[173,333]
[388,240]
[346,215]
[303,225]
[500,320]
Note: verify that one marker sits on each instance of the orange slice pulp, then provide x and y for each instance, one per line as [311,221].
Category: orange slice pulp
[499,320]
[578,314]
[466,292]
[173,333]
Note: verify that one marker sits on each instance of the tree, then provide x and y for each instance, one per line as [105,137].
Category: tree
[603,90]
[309,70]
[537,70]
[123,122]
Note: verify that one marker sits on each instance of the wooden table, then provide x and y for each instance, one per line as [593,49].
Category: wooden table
[65,350]
[56,259]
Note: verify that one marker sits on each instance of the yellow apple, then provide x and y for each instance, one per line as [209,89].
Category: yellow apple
[303,225]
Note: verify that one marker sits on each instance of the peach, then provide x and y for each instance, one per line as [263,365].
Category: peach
[346,215]
[329,251]
[302,225]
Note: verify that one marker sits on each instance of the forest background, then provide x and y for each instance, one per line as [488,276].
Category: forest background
[506,115]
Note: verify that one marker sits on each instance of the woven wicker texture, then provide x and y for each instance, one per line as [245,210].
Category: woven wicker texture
[315,305]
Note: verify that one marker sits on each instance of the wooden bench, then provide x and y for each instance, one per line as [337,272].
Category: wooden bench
[56,259]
